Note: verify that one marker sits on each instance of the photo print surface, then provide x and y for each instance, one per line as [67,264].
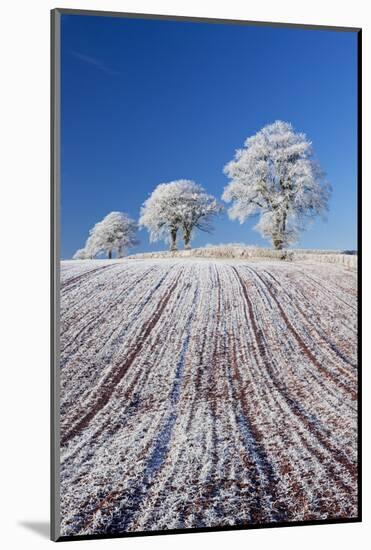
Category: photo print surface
[206,374]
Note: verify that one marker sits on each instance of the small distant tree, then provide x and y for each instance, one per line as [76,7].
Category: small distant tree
[177,205]
[115,233]
[275,176]
[80,254]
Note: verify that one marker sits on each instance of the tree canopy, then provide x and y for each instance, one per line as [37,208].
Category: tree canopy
[275,175]
[115,233]
[178,205]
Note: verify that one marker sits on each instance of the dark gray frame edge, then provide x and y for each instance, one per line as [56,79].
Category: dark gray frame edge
[55,274]
[185,18]
[55,268]
[359,267]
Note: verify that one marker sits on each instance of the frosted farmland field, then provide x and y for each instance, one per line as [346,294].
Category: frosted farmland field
[201,393]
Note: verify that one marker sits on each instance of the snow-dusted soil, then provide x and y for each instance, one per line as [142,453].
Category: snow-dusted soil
[198,393]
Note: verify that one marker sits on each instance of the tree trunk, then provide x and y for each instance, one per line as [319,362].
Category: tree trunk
[277,243]
[284,223]
[277,237]
[110,254]
[119,252]
[173,233]
[187,239]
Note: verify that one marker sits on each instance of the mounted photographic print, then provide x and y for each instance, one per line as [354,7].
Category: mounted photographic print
[205,292]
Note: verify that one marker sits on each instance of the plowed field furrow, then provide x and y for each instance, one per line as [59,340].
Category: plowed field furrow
[199,393]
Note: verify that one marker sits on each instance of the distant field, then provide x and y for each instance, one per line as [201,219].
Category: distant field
[243,252]
[198,393]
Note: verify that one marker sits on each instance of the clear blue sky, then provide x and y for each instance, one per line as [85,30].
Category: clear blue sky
[145,102]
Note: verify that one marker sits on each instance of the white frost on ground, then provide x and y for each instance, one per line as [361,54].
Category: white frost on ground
[205,393]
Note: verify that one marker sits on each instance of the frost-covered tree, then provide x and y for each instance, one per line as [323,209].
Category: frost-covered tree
[197,210]
[275,175]
[80,254]
[178,205]
[94,244]
[116,232]
[160,215]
